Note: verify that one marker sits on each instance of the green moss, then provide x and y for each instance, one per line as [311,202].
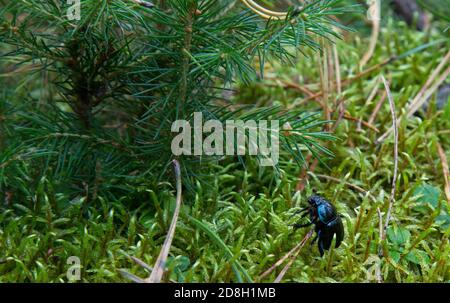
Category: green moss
[238,225]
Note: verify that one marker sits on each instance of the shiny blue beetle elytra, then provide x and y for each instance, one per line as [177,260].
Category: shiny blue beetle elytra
[326,220]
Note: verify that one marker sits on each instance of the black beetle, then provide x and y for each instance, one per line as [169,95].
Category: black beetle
[326,220]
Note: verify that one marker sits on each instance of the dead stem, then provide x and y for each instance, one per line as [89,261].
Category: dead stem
[293,253]
[293,257]
[158,270]
[394,178]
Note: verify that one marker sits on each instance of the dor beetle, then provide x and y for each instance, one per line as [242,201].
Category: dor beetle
[326,220]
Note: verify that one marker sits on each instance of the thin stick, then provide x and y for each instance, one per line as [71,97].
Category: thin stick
[394,178]
[415,106]
[158,269]
[445,170]
[279,262]
[294,256]
[432,77]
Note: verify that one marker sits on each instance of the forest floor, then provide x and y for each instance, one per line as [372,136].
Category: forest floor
[237,229]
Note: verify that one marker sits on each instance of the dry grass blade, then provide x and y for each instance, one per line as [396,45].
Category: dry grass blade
[279,262]
[432,77]
[130,276]
[424,94]
[445,170]
[394,178]
[158,270]
[415,106]
[293,257]
[337,66]
[142,263]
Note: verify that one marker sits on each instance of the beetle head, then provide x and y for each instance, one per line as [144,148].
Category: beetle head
[314,200]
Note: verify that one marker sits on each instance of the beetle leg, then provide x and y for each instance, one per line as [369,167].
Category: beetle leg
[300,211]
[302,225]
[305,225]
[304,215]
[320,244]
[321,250]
